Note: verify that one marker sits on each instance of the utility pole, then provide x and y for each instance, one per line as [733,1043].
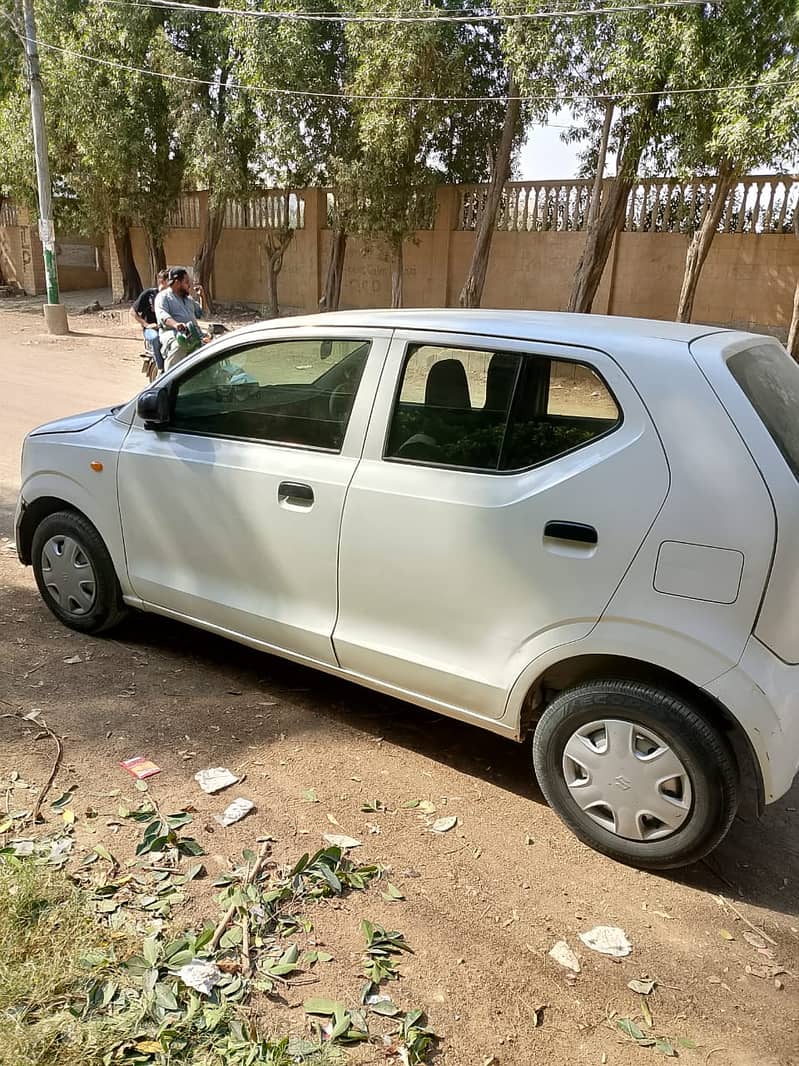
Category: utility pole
[55,314]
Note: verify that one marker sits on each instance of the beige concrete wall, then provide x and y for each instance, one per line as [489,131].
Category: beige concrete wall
[22,261]
[748,279]
[11,256]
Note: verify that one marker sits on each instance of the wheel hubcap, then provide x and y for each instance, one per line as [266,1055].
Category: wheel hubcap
[68,575]
[627,779]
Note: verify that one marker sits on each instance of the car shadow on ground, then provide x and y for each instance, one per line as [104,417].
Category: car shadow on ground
[757,863]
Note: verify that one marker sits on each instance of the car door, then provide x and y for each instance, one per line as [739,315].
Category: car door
[504,490]
[231,514]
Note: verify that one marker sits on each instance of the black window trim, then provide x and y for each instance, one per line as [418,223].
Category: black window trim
[197,368]
[523,354]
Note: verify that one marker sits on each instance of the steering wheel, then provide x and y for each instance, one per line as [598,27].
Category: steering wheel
[420,446]
[339,401]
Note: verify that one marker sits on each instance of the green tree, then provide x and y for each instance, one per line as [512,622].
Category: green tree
[216,123]
[17,165]
[621,58]
[405,147]
[472,292]
[727,133]
[300,127]
[115,155]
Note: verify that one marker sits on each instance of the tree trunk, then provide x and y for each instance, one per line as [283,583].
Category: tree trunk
[596,192]
[598,242]
[609,218]
[156,255]
[472,292]
[271,287]
[397,267]
[277,241]
[793,332]
[213,222]
[702,240]
[335,272]
[131,281]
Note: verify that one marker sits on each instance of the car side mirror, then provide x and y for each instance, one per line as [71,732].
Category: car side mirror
[325,349]
[154,408]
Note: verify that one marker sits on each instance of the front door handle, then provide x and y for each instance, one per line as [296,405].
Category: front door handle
[574,531]
[296,493]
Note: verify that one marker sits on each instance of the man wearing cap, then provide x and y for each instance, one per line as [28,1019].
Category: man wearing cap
[177,313]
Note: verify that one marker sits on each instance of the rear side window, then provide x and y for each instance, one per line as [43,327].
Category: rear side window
[770,379]
[495,411]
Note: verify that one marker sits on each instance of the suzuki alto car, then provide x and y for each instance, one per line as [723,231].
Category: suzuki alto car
[578,528]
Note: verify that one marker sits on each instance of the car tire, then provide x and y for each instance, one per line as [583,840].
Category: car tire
[75,574]
[636,772]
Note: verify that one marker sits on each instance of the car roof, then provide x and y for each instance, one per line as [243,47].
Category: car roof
[565,327]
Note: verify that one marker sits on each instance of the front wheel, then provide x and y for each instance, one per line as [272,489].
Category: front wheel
[636,773]
[75,574]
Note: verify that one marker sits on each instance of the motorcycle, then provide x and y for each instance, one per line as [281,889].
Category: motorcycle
[149,366]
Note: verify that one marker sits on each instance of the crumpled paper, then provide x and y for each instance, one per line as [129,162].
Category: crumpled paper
[564,955]
[215,779]
[235,811]
[607,940]
[201,975]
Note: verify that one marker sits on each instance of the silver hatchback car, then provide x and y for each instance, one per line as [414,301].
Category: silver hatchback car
[575,528]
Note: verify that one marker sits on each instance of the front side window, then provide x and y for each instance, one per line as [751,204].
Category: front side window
[494,410]
[283,392]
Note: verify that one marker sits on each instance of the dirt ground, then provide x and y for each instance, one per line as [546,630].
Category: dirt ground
[484,903]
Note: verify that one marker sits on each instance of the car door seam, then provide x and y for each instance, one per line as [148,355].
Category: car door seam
[355,468]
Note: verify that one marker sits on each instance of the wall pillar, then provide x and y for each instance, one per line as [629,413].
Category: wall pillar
[315,220]
[447,200]
[114,270]
[31,277]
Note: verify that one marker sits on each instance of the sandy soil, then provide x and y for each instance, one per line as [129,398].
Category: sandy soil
[484,903]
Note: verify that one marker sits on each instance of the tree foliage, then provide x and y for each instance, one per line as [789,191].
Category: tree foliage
[405,147]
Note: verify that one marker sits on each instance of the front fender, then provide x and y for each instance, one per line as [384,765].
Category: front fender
[57,472]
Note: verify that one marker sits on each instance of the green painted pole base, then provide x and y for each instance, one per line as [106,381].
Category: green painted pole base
[51,275]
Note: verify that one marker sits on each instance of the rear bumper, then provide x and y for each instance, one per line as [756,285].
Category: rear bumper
[762,692]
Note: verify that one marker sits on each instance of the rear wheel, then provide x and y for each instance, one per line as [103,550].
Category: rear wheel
[636,772]
[75,574]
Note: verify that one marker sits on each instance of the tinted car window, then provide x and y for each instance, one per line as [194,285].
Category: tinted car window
[494,410]
[285,392]
[558,406]
[770,379]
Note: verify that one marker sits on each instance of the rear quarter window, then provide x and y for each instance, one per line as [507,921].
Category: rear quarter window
[770,380]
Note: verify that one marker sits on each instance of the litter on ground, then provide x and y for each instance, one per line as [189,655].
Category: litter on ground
[564,955]
[215,779]
[607,940]
[139,767]
[235,811]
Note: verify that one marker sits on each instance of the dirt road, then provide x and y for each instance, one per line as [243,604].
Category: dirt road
[484,903]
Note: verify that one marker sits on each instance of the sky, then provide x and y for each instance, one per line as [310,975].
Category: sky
[544,155]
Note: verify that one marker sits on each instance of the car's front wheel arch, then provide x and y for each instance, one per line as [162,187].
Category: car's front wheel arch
[33,515]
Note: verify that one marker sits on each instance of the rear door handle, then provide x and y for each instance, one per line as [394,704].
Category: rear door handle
[295,492]
[574,531]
